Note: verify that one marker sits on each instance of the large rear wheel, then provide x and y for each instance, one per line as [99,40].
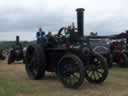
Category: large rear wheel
[71,71]
[35,62]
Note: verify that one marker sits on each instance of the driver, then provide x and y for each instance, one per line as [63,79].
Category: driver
[41,38]
[40,34]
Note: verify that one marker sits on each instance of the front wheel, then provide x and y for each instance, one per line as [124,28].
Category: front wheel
[71,71]
[97,70]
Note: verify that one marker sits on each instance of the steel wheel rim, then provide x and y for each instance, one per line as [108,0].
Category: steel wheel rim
[70,73]
[95,71]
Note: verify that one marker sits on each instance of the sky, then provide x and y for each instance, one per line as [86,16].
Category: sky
[24,17]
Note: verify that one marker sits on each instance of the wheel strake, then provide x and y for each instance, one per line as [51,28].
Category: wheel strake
[97,70]
[71,71]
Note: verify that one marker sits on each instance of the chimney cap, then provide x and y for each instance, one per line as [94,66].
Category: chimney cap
[80,9]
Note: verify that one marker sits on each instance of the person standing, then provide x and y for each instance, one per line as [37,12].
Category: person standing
[41,38]
[39,35]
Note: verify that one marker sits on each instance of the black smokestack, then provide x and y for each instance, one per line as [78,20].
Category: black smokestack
[127,36]
[17,40]
[80,21]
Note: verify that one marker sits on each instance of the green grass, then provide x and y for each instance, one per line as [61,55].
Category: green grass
[119,73]
[14,82]
[0,62]
[11,88]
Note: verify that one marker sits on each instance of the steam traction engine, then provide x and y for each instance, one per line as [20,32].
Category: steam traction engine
[118,48]
[16,53]
[68,55]
[113,48]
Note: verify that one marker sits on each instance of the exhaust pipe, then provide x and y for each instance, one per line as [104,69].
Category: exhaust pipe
[80,21]
[126,36]
[17,40]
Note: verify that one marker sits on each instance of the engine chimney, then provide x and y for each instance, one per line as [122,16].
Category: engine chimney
[17,40]
[80,21]
[127,36]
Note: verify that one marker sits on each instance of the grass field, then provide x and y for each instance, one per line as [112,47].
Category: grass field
[14,82]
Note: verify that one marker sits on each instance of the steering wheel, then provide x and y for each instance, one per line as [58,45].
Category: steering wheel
[62,32]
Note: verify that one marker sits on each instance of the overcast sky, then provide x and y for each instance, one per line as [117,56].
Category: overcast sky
[24,17]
